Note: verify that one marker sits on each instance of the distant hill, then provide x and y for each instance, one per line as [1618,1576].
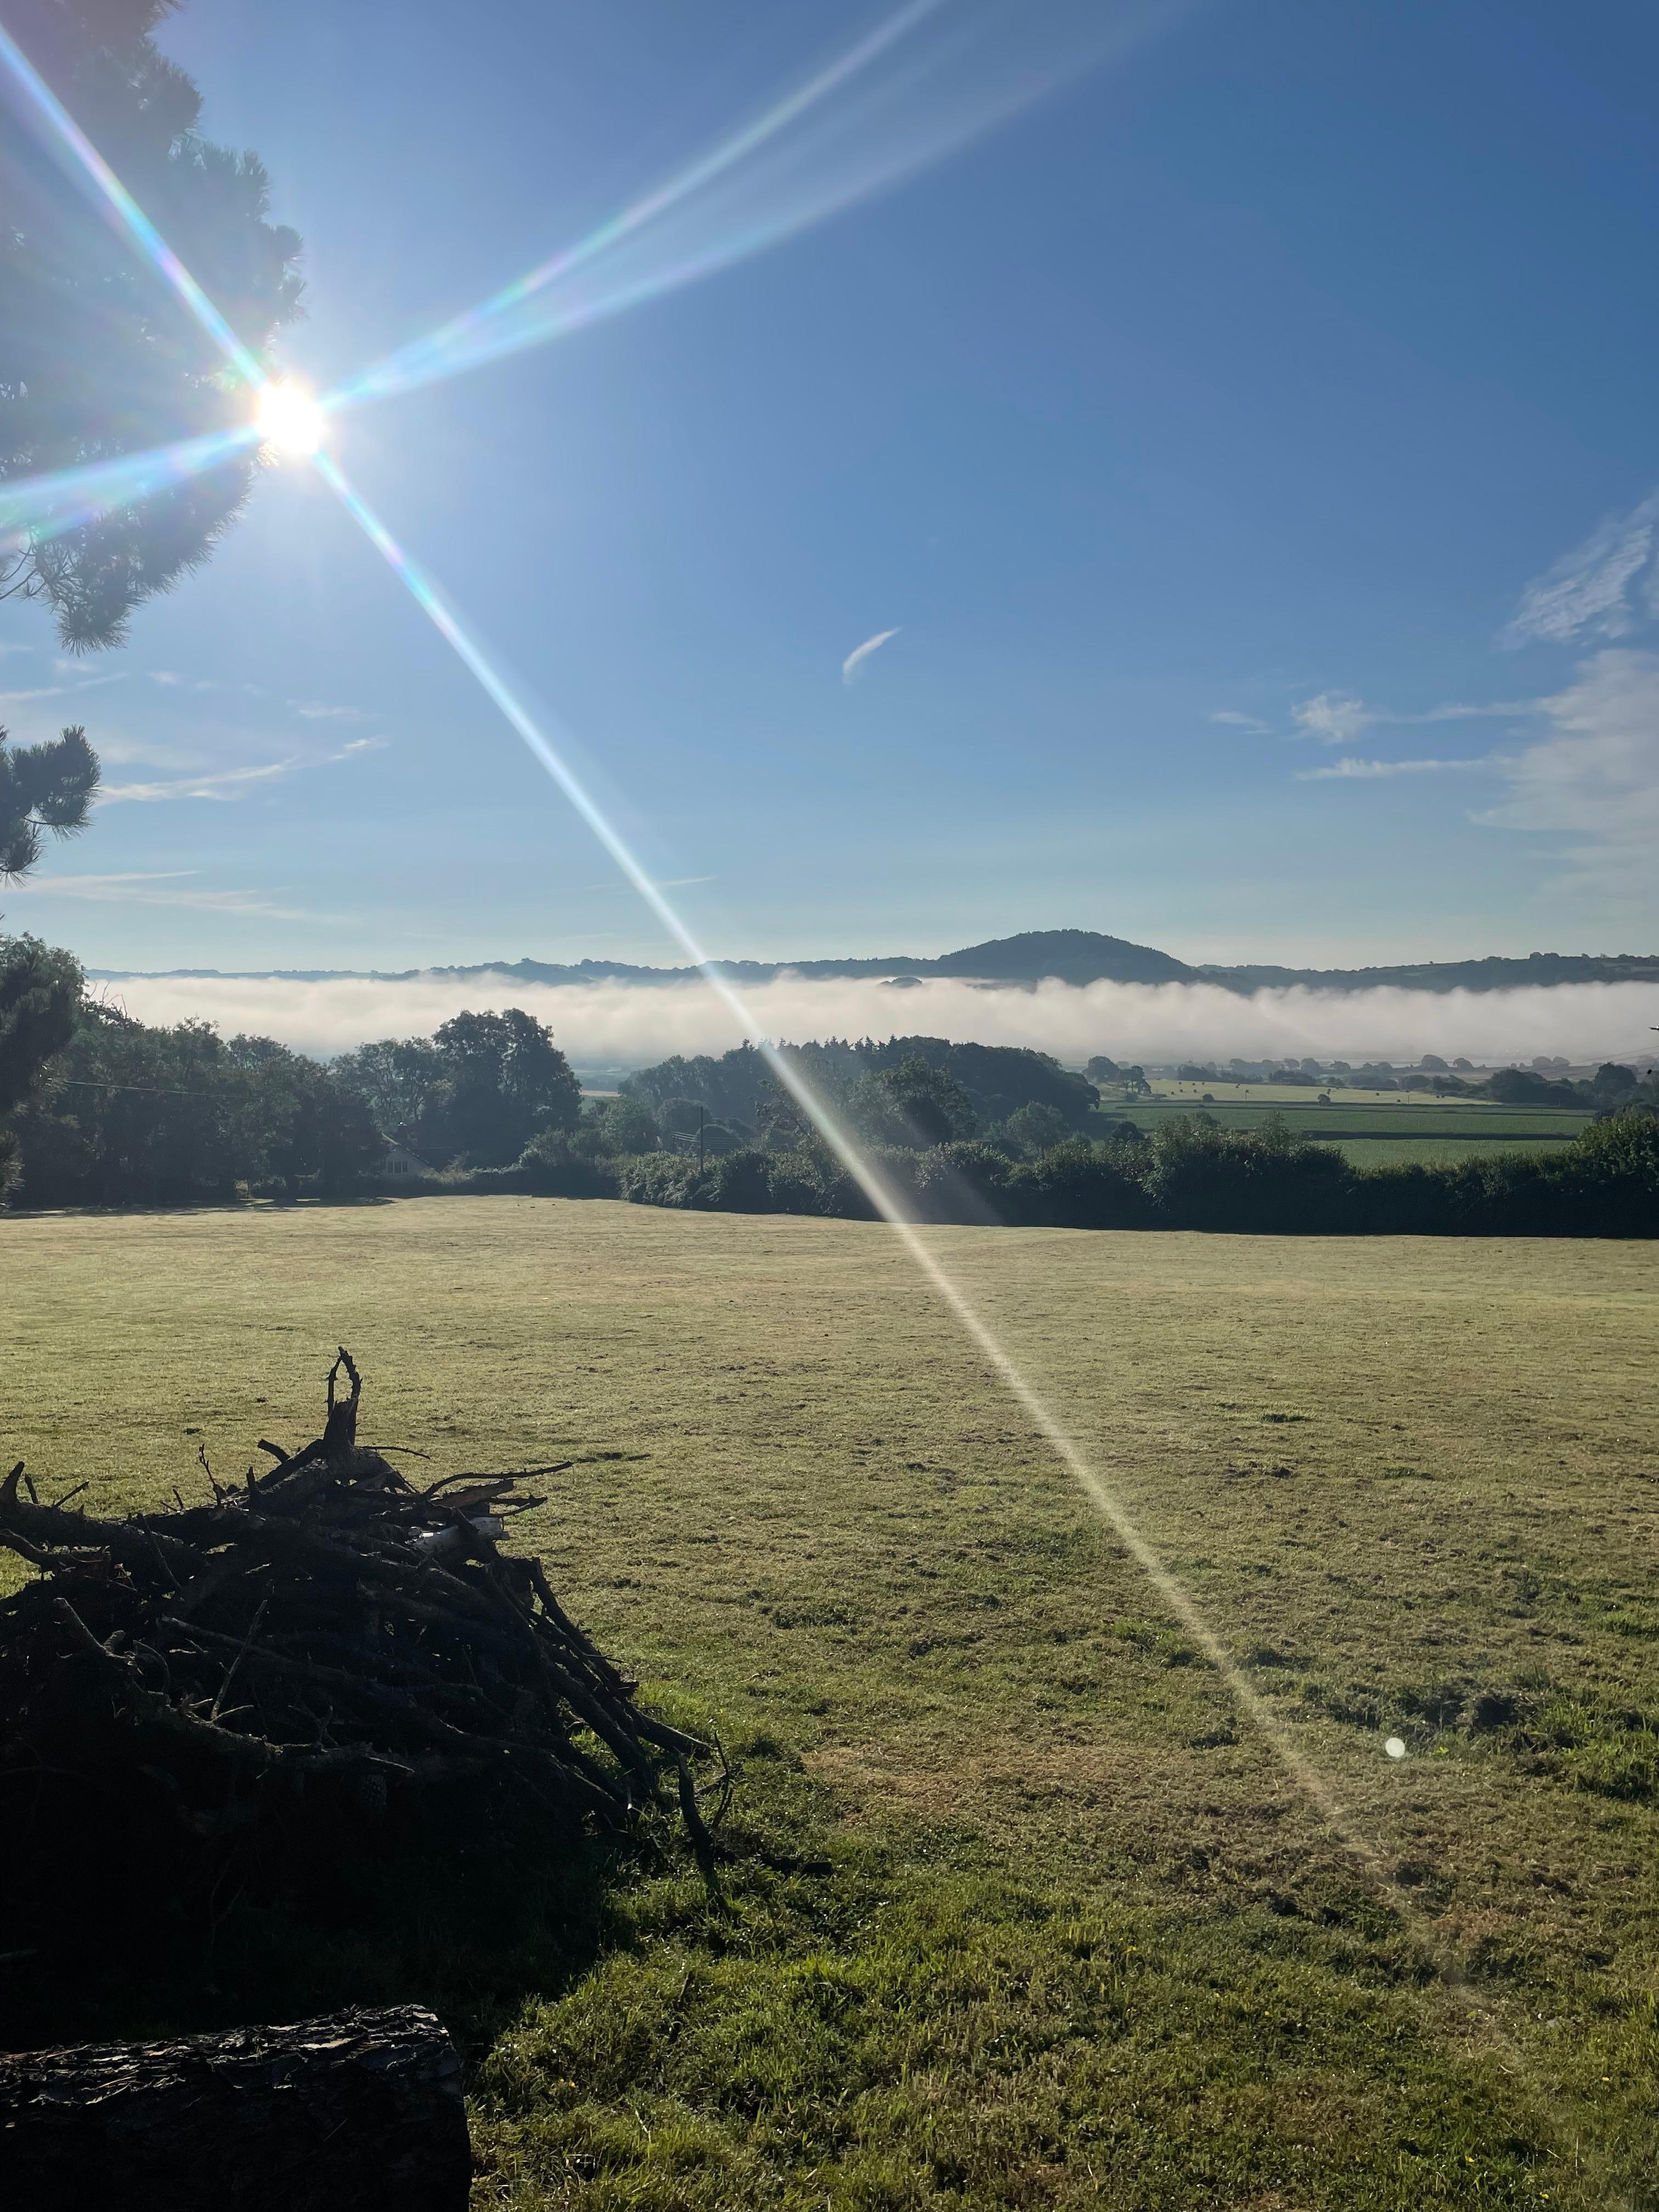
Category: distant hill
[1071,956]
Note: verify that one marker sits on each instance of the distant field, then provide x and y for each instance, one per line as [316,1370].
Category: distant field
[1074,1936]
[1393,1152]
[1371,1128]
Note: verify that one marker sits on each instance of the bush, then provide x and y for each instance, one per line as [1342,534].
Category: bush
[1255,1183]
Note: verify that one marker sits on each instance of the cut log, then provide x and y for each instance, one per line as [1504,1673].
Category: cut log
[361,2109]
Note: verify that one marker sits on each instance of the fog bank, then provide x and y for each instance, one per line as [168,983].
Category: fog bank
[604,1022]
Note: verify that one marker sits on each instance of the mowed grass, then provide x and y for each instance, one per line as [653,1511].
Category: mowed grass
[1024,1912]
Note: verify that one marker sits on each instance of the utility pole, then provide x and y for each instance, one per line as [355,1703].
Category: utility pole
[702,1117]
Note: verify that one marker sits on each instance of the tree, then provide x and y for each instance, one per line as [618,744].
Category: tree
[1611,1083]
[502,1080]
[1037,1128]
[45,786]
[394,1078]
[98,357]
[39,992]
[302,1122]
[616,1127]
[914,1103]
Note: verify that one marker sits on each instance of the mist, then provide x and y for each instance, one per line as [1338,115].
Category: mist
[608,1023]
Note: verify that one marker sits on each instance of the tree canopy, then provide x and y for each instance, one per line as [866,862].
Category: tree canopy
[42,787]
[39,992]
[476,1092]
[98,358]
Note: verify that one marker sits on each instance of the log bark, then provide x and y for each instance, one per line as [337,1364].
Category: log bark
[361,2109]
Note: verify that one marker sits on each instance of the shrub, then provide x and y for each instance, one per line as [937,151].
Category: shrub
[1251,1181]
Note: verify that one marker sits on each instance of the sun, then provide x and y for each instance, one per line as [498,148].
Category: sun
[288,418]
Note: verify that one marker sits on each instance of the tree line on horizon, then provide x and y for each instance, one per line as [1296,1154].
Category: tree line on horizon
[122,1114]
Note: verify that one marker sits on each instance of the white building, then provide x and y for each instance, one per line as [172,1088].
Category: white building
[400,1165]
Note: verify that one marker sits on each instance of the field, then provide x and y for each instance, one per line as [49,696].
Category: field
[1372,1128]
[1029,1912]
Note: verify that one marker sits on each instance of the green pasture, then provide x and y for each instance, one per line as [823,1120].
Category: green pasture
[1024,1911]
[1398,1152]
[1371,1128]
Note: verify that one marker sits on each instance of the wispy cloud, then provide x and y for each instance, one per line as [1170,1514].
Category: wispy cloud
[1594,779]
[171,887]
[1335,717]
[58,690]
[854,662]
[229,784]
[1352,769]
[1596,590]
[223,784]
[319,710]
[171,681]
[1234,721]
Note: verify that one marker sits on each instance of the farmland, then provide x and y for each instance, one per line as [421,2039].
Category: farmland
[1372,1128]
[1034,1915]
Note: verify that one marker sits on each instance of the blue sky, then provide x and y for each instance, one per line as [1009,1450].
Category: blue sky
[1247,445]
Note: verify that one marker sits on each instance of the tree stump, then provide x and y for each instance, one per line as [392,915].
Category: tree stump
[361,2109]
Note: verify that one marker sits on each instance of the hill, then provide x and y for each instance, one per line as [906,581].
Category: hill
[1071,956]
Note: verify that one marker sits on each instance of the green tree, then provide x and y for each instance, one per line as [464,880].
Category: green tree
[913,1103]
[395,1078]
[1037,1128]
[42,787]
[502,1080]
[300,1123]
[615,1128]
[39,993]
[98,357]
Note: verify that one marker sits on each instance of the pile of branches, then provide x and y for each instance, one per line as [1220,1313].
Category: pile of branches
[324,1631]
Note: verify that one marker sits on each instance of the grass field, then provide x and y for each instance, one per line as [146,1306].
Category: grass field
[1055,1926]
[1377,1128]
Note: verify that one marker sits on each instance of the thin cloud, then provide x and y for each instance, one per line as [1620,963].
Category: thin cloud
[1234,721]
[223,784]
[172,681]
[170,887]
[1334,718]
[319,710]
[1351,770]
[1593,592]
[853,665]
[58,690]
[227,785]
[1594,779]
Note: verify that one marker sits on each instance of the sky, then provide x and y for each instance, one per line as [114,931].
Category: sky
[1182,470]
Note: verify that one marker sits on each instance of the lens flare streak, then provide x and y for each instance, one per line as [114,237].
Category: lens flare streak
[1100,1494]
[44,506]
[807,158]
[122,209]
[463,340]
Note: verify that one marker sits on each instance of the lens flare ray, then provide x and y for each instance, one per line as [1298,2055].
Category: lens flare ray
[424,359]
[1100,1494]
[123,210]
[44,506]
[916,89]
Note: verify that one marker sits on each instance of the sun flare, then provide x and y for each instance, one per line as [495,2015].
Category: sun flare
[289,419]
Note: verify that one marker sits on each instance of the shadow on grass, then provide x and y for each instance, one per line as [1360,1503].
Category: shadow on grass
[123,1922]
